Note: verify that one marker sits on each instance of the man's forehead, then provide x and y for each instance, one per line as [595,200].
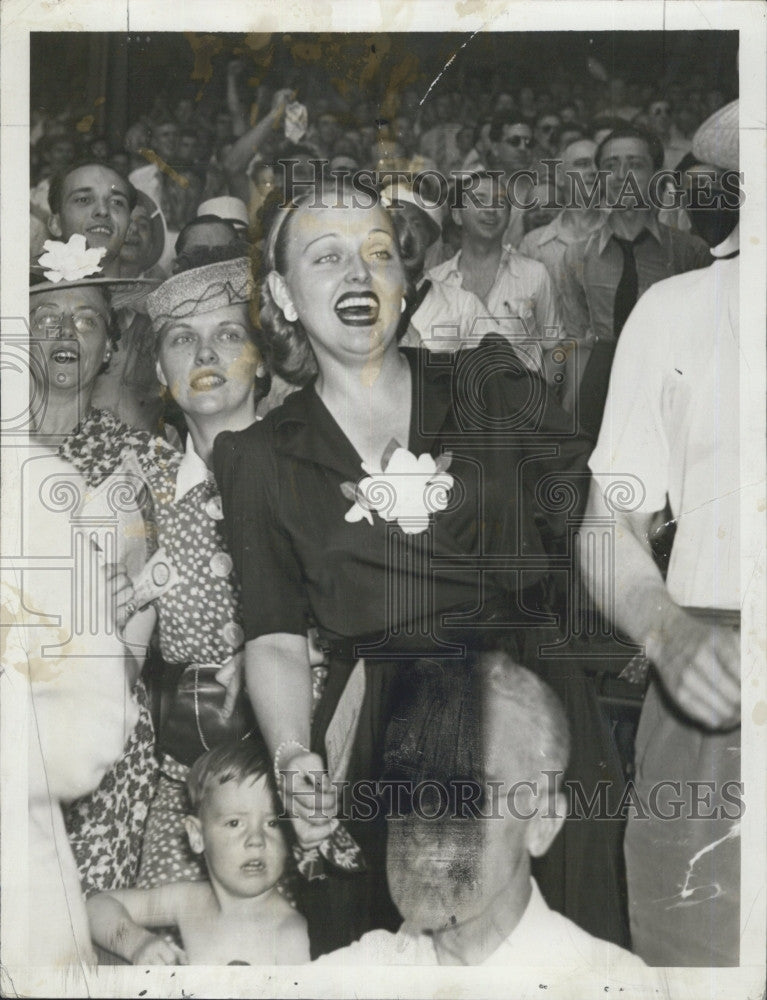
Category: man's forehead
[626,146]
[579,150]
[95,177]
[519,129]
[489,189]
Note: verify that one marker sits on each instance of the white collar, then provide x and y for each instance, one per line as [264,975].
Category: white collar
[524,936]
[191,471]
[729,245]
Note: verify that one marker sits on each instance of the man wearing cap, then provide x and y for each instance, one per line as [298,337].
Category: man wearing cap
[443,315]
[228,208]
[670,434]
[144,242]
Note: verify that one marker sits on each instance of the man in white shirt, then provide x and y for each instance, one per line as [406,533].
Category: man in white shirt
[442,317]
[516,292]
[462,882]
[670,432]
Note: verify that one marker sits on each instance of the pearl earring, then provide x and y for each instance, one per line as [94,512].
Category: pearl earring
[260,370]
[290,313]
[403,306]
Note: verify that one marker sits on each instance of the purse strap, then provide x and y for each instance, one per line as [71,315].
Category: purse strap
[197,719]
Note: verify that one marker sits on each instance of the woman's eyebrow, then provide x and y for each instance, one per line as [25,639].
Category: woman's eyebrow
[317,239]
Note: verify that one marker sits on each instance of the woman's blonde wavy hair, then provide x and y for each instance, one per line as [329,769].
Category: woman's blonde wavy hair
[284,345]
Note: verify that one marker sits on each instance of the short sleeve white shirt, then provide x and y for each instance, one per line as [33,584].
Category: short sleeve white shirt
[670,426]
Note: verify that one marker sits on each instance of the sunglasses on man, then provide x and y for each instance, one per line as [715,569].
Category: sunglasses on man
[518,140]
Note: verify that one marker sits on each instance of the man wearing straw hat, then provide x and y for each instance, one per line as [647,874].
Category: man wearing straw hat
[670,432]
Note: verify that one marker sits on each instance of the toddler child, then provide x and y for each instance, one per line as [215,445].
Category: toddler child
[238,917]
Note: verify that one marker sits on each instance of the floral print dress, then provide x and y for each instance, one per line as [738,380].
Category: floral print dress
[106,827]
[199,619]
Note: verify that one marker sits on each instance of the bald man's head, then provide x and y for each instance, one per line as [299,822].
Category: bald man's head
[525,730]
[489,725]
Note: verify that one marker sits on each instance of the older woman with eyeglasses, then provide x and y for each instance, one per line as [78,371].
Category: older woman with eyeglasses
[71,324]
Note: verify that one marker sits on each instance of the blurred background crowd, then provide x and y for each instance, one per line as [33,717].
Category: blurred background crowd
[213,107]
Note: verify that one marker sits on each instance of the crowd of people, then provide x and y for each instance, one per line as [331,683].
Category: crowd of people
[355,364]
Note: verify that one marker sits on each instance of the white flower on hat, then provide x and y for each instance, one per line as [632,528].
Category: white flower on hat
[71,261]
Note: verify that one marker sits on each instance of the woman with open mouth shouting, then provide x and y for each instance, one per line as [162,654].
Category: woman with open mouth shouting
[71,332]
[371,502]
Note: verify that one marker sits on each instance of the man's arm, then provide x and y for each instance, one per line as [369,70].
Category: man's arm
[240,153]
[120,921]
[698,663]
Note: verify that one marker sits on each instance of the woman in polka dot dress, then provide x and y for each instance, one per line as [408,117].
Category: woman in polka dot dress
[207,360]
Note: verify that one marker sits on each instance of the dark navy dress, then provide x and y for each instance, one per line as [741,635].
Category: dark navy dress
[479,577]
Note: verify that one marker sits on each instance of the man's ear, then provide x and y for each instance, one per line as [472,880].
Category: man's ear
[160,374]
[194,833]
[54,225]
[279,289]
[546,824]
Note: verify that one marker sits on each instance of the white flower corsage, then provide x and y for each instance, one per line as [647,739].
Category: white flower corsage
[71,261]
[406,489]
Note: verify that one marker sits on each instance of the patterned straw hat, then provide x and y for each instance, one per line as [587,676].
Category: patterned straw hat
[201,290]
[717,139]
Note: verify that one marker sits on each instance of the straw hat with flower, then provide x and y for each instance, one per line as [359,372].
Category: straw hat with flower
[74,263]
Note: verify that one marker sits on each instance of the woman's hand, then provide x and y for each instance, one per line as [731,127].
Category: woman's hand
[309,797]
[120,593]
[230,677]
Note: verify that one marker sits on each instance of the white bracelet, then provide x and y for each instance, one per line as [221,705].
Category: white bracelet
[278,754]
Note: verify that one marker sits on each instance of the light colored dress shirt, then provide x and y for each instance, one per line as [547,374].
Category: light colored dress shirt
[521,304]
[542,939]
[548,245]
[593,266]
[449,317]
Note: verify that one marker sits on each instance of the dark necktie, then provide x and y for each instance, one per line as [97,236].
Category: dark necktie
[420,295]
[627,292]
